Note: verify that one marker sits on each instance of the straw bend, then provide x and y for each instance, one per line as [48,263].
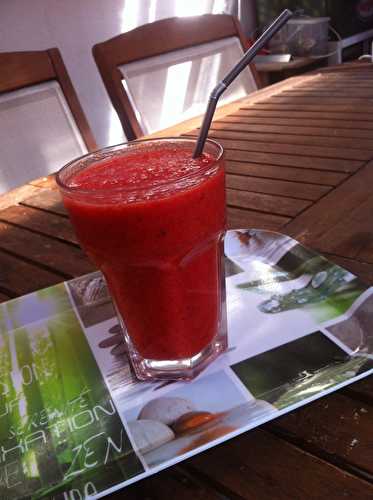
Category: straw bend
[218,90]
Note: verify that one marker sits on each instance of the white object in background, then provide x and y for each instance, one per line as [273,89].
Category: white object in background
[336,48]
[38,134]
[272,58]
[174,87]
[369,57]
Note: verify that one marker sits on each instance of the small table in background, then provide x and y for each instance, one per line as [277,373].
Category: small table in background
[273,72]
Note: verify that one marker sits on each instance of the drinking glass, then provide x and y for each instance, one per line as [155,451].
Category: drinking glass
[159,244]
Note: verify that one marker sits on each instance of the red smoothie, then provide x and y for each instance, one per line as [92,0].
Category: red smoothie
[152,219]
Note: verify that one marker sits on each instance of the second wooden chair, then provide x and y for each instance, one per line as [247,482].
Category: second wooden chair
[162,73]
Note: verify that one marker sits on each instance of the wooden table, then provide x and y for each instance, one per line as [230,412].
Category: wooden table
[299,160]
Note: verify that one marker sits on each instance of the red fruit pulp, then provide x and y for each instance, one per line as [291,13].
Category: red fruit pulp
[152,220]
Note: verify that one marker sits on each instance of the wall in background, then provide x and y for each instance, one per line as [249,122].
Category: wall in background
[74,26]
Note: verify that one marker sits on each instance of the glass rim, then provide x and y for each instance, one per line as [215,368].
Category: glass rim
[127,145]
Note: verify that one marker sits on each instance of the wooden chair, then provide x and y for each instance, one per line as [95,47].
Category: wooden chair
[162,73]
[42,124]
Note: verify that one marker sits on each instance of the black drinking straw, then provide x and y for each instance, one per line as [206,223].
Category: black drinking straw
[235,71]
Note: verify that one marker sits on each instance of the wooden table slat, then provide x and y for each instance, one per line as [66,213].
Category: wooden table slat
[266,118]
[321,100]
[261,466]
[333,208]
[366,110]
[239,218]
[337,93]
[358,86]
[182,485]
[46,199]
[19,278]
[266,203]
[299,175]
[352,236]
[300,191]
[284,138]
[340,73]
[4,297]
[307,162]
[40,221]
[298,130]
[49,252]
[365,253]
[348,79]
[16,195]
[233,140]
[45,182]
[339,426]
[303,114]
[361,391]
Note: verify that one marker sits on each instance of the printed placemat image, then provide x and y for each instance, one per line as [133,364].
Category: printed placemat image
[299,369]
[191,415]
[59,428]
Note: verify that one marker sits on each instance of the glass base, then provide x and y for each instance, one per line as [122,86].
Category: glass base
[180,369]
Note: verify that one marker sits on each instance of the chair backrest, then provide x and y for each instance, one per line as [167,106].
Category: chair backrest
[42,124]
[163,72]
